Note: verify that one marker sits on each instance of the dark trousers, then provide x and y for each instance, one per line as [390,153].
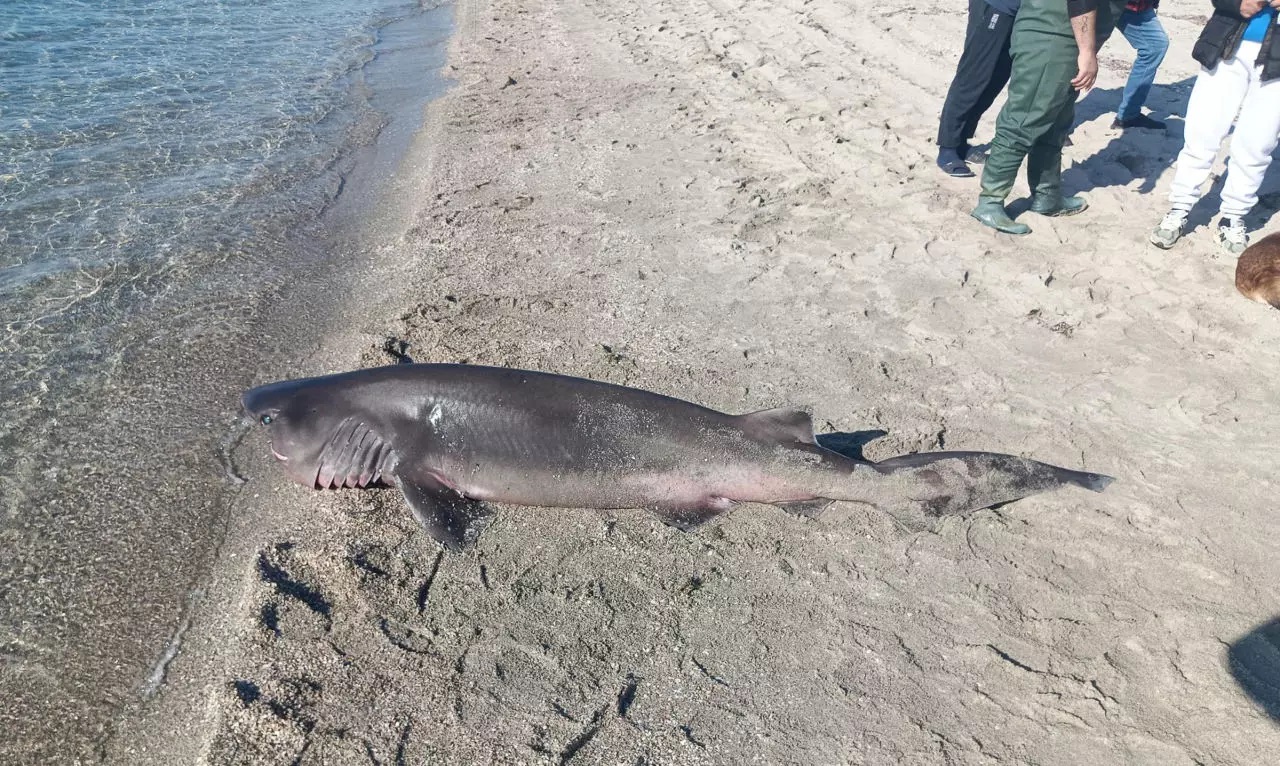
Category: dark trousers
[980,76]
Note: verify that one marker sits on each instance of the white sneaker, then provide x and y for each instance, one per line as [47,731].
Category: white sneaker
[1169,229]
[1232,236]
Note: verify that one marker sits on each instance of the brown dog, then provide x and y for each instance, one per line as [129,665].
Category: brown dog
[1258,271]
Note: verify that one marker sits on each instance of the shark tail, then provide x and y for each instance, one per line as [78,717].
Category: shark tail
[952,483]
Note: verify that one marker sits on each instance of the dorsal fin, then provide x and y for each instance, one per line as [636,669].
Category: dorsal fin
[783,424]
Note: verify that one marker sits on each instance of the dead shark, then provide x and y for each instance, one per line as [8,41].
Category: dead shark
[455,437]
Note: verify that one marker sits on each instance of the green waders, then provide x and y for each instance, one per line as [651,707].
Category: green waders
[1035,119]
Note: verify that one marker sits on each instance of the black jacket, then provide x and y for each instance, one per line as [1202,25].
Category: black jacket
[1221,39]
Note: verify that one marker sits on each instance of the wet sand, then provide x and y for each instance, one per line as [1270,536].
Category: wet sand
[735,203]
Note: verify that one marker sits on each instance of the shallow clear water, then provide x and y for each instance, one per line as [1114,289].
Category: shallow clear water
[132,128]
[163,166]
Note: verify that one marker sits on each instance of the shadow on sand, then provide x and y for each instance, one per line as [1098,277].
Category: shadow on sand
[1145,155]
[1254,659]
[1133,154]
[1141,155]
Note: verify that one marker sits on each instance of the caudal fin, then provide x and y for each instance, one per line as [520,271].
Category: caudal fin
[949,483]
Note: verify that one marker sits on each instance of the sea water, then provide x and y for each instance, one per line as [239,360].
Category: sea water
[163,167]
[139,138]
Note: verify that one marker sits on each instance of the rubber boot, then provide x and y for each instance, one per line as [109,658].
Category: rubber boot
[998,175]
[1044,205]
[990,211]
[1044,174]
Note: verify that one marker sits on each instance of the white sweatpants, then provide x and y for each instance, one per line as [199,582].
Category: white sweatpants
[1234,85]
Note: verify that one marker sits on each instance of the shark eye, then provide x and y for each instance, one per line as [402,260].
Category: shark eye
[266,420]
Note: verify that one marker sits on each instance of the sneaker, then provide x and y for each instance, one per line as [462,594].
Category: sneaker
[973,155]
[1141,122]
[1169,229]
[1232,236]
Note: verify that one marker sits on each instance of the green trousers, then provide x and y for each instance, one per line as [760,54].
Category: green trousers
[1037,117]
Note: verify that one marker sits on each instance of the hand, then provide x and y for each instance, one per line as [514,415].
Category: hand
[1087,66]
[1275,4]
[1250,8]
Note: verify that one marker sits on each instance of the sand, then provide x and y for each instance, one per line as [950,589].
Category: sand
[735,203]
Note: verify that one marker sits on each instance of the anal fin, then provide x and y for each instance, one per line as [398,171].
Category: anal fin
[452,519]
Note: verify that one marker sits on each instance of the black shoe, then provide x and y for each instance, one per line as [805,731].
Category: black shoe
[973,155]
[951,164]
[1142,122]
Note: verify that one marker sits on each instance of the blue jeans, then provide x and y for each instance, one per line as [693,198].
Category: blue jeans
[1143,31]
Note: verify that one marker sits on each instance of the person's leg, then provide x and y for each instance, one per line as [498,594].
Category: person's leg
[1256,135]
[963,90]
[1009,146]
[1044,163]
[1255,138]
[1146,34]
[1032,111]
[985,41]
[1215,99]
[1000,28]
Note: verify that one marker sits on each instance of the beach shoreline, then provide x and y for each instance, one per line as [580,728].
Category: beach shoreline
[734,203]
[118,500]
[316,326]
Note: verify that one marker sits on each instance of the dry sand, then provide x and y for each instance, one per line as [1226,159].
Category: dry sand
[735,203]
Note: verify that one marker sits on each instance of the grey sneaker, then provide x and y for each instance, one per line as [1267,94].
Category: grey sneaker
[1169,230]
[1232,236]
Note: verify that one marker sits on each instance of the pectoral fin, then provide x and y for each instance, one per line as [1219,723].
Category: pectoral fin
[454,520]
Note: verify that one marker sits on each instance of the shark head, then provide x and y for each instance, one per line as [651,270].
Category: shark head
[321,439]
